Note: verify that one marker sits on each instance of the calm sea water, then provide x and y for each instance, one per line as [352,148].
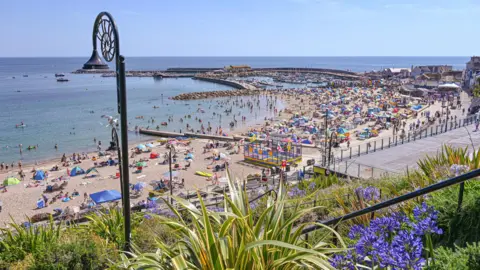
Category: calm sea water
[60,113]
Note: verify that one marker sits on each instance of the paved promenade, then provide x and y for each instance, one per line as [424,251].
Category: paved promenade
[396,159]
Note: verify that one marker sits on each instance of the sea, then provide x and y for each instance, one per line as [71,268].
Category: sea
[69,114]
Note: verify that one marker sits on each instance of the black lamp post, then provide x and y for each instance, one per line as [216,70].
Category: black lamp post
[330,146]
[105,31]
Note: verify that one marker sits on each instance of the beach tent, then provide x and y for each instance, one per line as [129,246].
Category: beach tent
[149,145]
[154,155]
[141,147]
[106,196]
[40,204]
[39,175]
[93,169]
[139,186]
[76,171]
[10,181]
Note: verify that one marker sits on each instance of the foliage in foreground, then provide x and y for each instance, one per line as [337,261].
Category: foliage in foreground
[467,258]
[391,242]
[232,239]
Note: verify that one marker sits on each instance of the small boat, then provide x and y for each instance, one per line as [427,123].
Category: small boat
[25,75]
[59,75]
[164,123]
[20,126]
[62,80]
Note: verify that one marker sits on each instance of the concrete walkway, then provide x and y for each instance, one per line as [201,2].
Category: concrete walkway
[396,159]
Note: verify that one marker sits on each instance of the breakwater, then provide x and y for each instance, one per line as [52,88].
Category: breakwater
[217,94]
[233,84]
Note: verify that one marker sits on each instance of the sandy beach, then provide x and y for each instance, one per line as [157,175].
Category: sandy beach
[20,200]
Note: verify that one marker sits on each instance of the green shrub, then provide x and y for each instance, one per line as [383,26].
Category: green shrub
[149,232]
[467,258]
[459,227]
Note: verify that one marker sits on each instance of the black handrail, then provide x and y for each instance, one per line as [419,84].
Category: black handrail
[437,186]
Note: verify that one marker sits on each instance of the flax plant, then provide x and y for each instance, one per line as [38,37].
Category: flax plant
[234,239]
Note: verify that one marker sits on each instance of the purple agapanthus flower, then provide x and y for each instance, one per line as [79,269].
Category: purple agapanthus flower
[312,186]
[393,241]
[296,192]
[369,193]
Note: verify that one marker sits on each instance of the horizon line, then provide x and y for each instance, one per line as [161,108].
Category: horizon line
[245,56]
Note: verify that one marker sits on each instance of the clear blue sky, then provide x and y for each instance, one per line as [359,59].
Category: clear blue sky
[246,27]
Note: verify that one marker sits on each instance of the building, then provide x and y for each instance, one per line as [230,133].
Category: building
[240,68]
[452,76]
[472,72]
[419,70]
[396,72]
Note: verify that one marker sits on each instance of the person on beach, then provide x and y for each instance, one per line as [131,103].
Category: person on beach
[2,166]
[20,164]
[56,146]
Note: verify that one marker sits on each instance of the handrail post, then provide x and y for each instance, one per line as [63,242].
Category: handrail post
[460,196]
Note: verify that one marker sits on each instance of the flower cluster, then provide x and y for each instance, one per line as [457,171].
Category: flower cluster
[312,185]
[457,170]
[393,241]
[369,193]
[296,192]
[152,207]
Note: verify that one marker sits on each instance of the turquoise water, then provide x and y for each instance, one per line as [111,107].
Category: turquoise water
[61,113]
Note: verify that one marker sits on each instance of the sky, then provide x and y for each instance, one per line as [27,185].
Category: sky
[33,28]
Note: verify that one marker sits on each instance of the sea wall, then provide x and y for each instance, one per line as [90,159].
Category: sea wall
[220,81]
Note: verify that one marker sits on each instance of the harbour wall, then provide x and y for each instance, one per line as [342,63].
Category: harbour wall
[202,136]
[236,85]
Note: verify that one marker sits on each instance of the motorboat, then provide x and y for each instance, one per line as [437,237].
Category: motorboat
[59,75]
[62,79]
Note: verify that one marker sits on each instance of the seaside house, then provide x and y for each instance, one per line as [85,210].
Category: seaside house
[396,72]
[434,69]
[472,72]
[452,76]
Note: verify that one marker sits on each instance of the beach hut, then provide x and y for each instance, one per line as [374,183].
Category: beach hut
[105,196]
[11,181]
[76,171]
[39,175]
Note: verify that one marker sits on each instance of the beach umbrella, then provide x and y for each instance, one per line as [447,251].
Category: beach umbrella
[76,171]
[11,181]
[106,196]
[141,147]
[149,145]
[167,174]
[173,142]
[139,186]
[141,164]
[93,169]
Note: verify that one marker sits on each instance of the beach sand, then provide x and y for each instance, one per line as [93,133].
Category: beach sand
[20,201]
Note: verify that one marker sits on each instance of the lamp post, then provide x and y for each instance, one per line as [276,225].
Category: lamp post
[326,137]
[106,32]
[330,147]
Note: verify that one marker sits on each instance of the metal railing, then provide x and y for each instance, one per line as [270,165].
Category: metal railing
[391,141]
[426,190]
